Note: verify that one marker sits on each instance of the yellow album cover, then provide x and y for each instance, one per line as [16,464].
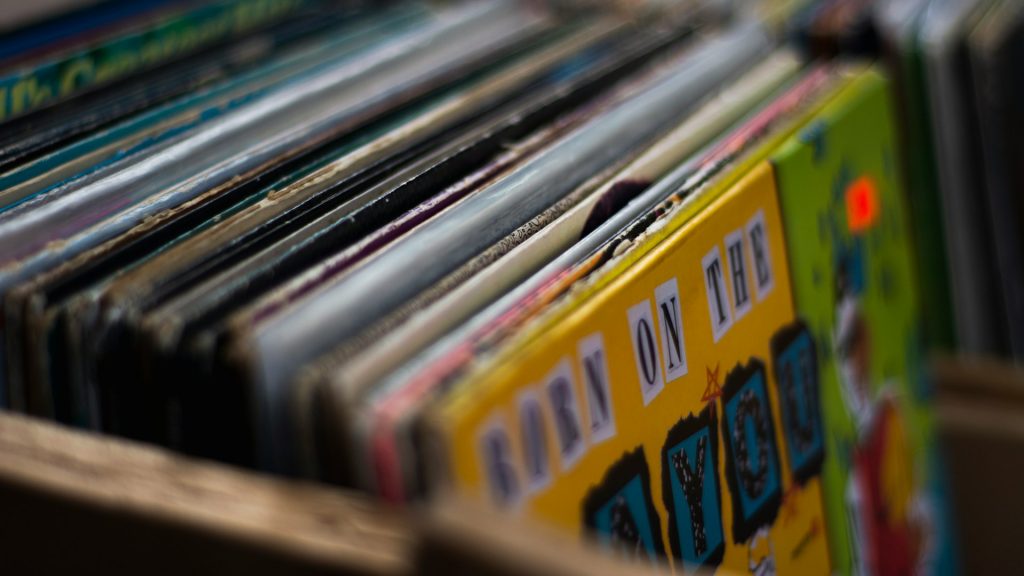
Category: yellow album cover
[652,416]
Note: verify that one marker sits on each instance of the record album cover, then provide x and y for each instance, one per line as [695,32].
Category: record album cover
[842,204]
[672,414]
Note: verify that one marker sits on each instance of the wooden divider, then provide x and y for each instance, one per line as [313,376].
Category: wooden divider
[78,502]
[980,413]
[72,501]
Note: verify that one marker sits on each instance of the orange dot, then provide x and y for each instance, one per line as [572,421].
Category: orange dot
[862,204]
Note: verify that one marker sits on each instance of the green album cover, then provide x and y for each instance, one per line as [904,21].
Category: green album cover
[854,288]
[925,204]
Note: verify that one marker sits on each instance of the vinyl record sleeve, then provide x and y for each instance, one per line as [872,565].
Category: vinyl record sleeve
[899,25]
[30,135]
[960,174]
[854,288]
[995,45]
[610,422]
[83,19]
[34,85]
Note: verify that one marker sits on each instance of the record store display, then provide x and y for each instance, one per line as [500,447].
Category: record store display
[666,277]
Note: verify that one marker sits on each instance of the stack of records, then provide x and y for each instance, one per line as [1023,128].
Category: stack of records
[957,68]
[648,279]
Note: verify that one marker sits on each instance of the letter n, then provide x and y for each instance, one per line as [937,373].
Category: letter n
[499,465]
[673,345]
[534,438]
[594,367]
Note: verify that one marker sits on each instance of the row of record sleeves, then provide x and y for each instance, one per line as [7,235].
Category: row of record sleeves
[660,280]
[955,68]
